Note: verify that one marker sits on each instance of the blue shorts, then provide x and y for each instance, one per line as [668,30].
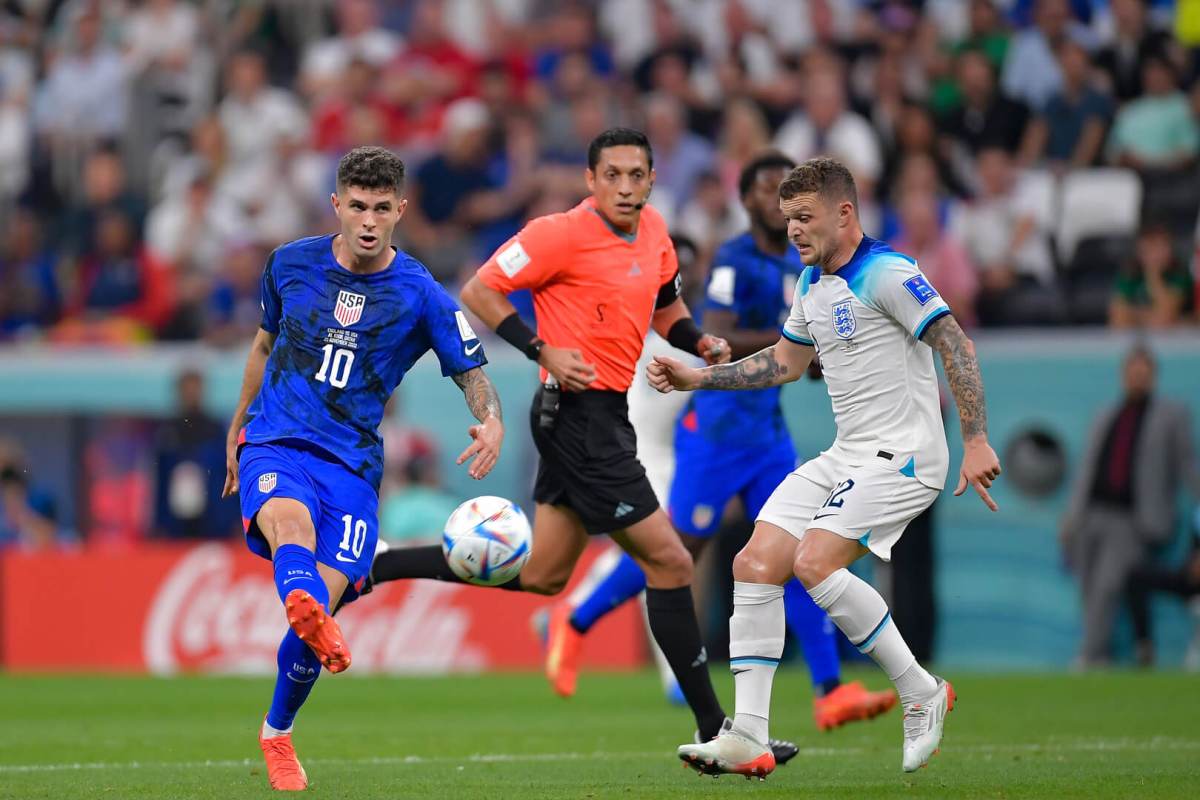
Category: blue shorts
[343,506]
[709,474]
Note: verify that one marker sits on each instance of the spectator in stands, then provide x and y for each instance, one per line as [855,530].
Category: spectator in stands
[1134,41]
[1069,132]
[358,90]
[359,37]
[941,255]
[170,70]
[1003,229]
[1183,581]
[744,134]
[1153,290]
[84,98]
[256,117]
[29,291]
[1157,130]
[709,218]
[189,458]
[916,135]
[103,189]
[121,290]
[189,231]
[1124,498]
[1031,71]
[680,156]
[28,514]
[986,117]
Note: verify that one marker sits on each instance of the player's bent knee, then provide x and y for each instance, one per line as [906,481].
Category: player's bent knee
[812,566]
[749,566]
[670,569]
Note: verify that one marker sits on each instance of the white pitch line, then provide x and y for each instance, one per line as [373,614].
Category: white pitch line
[1063,746]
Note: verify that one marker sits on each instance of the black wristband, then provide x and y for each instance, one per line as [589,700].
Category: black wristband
[514,331]
[685,335]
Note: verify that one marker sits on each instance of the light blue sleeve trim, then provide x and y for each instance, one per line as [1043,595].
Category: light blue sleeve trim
[791,337]
[932,317]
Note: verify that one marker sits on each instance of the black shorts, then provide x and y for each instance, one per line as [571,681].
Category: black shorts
[588,461]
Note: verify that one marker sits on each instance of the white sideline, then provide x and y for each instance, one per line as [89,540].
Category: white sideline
[1063,746]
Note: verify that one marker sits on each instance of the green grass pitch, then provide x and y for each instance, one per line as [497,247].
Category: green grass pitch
[505,736]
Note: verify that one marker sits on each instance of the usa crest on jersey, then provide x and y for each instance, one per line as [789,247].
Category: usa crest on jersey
[349,308]
[843,319]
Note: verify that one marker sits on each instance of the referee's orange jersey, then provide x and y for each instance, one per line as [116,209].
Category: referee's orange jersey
[594,287]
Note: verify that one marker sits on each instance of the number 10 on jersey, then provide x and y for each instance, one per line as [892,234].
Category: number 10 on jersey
[335,366]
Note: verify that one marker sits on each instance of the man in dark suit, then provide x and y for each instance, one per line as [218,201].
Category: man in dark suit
[1125,496]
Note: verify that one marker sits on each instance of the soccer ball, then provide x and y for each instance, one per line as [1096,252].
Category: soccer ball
[487,540]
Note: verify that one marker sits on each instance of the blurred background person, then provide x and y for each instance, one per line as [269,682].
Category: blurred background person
[1154,288]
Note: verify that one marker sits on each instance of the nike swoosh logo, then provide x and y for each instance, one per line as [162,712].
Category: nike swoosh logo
[471,350]
[823,516]
[344,560]
[289,580]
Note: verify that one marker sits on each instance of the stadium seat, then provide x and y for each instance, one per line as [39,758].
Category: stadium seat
[1097,202]
[1089,276]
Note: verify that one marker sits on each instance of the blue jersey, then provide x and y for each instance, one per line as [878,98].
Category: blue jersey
[344,342]
[758,288]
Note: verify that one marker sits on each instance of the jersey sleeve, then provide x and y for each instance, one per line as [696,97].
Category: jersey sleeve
[272,306]
[451,337]
[795,329]
[531,258]
[903,292]
[720,294]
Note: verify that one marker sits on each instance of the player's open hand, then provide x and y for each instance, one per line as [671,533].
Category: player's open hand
[231,468]
[568,367]
[666,374]
[488,436]
[979,468]
[714,349]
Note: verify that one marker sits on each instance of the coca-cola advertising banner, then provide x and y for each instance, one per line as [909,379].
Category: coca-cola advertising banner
[213,608]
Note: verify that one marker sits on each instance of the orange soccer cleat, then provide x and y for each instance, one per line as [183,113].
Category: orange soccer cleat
[850,702]
[283,768]
[318,630]
[564,645]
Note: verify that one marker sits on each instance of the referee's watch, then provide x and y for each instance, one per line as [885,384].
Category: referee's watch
[533,350]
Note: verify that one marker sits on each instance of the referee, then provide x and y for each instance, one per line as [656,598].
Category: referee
[601,274]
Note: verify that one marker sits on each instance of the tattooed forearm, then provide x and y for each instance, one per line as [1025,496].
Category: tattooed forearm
[480,393]
[962,371]
[752,372]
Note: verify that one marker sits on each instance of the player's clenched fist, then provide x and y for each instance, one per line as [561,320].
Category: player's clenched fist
[714,349]
[666,373]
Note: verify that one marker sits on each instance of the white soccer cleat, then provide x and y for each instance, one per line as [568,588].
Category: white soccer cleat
[923,723]
[730,753]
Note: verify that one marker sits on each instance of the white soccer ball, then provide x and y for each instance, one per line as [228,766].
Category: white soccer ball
[487,540]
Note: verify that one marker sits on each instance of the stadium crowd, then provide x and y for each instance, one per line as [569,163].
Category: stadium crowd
[1039,157]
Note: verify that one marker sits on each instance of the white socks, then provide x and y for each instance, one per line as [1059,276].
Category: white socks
[756,633]
[268,732]
[856,608]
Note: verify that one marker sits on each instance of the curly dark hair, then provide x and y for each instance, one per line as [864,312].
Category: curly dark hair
[370,168]
[616,137]
[826,177]
[771,159]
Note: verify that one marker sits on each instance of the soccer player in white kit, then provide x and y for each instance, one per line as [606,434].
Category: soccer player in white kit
[875,321]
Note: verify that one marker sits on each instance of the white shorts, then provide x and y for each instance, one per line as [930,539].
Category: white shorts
[872,503]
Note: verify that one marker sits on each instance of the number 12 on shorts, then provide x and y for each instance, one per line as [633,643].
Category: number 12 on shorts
[835,499]
[354,536]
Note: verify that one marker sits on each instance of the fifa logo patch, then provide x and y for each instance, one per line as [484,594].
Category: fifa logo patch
[267,481]
[843,319]
[349,308]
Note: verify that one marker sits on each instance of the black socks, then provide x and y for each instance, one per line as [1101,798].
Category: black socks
[673,623]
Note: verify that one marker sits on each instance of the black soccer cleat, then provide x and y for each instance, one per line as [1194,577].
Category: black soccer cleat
[784,751]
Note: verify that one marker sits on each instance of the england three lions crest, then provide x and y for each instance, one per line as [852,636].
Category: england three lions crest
[843,319]
[349,308]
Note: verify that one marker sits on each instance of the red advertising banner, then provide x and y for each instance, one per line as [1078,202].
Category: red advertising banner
[213,608]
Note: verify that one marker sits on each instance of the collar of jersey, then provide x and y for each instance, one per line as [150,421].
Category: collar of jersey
[857,262]
[368,276]
[630,238]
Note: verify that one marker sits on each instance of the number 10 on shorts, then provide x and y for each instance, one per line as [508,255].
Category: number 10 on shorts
[354,536]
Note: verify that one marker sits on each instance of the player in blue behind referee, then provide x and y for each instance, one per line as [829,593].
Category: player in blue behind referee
[345,316]
[733,444]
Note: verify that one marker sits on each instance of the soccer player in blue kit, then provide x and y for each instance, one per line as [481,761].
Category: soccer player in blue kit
[345,316]
[731,444]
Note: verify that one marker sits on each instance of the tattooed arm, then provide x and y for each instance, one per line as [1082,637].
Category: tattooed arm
[484,403]
[980,466]
[782,362]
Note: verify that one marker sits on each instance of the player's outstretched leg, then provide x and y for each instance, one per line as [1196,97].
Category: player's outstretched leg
[834,703]
[569,623]
[756,635]
[858,610]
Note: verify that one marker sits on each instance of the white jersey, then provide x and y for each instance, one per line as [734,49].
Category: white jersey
[866,322]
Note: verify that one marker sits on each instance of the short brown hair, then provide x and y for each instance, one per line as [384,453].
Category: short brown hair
[826,177]
[372,168]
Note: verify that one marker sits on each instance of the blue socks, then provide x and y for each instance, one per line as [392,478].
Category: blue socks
[809,623]
[624,582]
[298,671]
[296,568]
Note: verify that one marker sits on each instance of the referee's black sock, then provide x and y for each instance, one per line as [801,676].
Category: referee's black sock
[673,623]
[420,562]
